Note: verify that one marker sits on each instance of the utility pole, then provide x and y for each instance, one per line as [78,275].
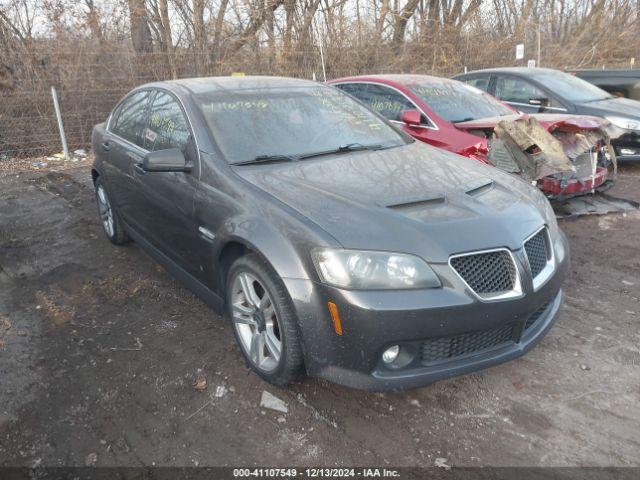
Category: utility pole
[538,62]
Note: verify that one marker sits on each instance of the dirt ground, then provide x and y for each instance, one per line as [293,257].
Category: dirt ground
[99,348]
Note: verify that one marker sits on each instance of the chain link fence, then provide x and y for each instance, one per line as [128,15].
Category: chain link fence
[89,85]
[90,81]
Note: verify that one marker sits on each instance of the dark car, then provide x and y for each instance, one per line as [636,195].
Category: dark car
[462,119]
[618,82]
[545,90]
[337,245]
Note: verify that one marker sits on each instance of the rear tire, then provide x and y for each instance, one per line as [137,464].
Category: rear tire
[264,322]
[109,218]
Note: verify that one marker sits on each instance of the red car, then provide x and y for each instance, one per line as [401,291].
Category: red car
[565,154]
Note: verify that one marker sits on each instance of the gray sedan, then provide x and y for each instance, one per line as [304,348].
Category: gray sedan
[337,245]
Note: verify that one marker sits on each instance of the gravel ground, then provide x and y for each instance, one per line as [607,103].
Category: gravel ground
[100,349]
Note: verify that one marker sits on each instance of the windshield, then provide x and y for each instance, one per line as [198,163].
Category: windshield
[459,102]
[300,121]
[570,87]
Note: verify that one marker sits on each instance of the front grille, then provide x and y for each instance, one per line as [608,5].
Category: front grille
[487,273]
[535,316]
[536,248]
[448,348]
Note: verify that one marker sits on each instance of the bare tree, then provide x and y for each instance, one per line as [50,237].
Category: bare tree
[85,47]
[93,21]
[139,24]
[217,31]
[258,17]
[400,25]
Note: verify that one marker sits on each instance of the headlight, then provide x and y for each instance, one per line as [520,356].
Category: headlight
[372,270]
[624,122]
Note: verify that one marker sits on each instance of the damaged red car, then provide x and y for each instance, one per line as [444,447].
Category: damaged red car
[566,155]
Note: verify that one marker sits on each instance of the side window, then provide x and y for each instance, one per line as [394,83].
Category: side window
[385,101]
[355,89]
[167,126]
[479,82]
[511,89]
[129,120]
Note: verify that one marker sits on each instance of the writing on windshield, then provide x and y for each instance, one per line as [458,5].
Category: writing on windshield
[456,102]
[294,122]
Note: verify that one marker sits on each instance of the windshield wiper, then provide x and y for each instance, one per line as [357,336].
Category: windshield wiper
[468,119]
[350,147]
[268,159]
[601,99]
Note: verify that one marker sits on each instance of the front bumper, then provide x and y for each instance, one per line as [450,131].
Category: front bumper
[374,320]
[554,187]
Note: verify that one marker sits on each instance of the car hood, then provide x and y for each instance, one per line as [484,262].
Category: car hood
[414,199]
[615,106]
[550,121]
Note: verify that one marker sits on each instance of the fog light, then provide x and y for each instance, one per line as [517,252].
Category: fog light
[390,354]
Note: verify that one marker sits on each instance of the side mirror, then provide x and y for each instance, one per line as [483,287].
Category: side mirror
[541,102]
[169,160]
[411,117]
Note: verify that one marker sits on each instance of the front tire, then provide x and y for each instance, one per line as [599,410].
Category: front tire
[263,319]
[111,224]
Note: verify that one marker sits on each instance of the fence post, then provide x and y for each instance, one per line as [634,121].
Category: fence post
[63,139]
[324,72]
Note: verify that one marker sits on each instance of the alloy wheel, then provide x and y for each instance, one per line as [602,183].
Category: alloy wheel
[106,212]
[256,322]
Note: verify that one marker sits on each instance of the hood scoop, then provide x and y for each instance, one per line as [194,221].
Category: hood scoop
[421,201]
[478,187]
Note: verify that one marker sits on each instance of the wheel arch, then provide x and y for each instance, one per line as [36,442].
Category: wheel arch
[277,252]
[229,253]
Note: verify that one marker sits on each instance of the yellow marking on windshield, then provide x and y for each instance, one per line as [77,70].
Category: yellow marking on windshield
[349,113]
[238,105]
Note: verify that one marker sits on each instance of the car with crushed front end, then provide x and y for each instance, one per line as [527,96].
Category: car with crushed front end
[337,245]
[566,155]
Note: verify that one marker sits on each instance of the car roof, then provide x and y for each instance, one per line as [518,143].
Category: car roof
[199,85]
[402,79]
[618,72]
[530,72]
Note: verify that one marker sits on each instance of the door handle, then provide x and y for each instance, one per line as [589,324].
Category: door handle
[106,145]
[138,168]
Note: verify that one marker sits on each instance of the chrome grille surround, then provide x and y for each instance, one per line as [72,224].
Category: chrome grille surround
[501,258]
[540,274]
[540,270]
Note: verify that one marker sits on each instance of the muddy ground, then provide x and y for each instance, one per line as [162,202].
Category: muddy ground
[99,348]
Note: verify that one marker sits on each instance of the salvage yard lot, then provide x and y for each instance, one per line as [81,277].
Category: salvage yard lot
[99,349]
